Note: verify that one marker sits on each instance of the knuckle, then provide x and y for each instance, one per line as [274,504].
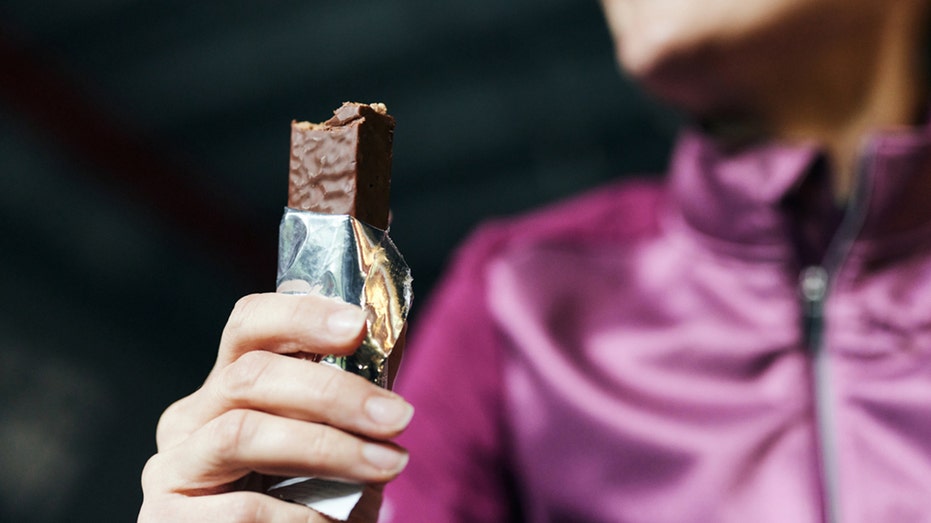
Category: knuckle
[242,310]
[150,472]
[329,386]
[307,312]
[229,432]
[240,379]
[302,308]
[168,422]
[322,447]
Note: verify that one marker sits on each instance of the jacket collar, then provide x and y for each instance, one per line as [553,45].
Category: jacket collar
[772,201]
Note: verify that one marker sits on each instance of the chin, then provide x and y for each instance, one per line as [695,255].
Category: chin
[645,48]
[682,76]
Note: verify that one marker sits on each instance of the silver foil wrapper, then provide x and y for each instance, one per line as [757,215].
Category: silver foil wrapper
[340,257]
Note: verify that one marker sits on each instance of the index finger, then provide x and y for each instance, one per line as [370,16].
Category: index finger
[290,324]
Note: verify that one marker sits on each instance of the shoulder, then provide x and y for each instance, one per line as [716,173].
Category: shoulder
[609,219]
[614,214]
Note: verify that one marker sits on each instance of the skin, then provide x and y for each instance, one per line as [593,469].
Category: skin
[264,410]
[823,71]
[828,71]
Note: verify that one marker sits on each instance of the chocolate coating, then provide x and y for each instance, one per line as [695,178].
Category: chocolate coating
[343,165]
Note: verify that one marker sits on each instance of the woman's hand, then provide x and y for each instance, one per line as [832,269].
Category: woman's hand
[263,410]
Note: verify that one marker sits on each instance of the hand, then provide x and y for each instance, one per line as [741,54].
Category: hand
[264,411]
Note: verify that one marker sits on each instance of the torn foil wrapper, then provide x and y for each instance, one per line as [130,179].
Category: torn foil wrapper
[338,256]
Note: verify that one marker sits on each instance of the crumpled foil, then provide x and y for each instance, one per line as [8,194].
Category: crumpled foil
[341,257]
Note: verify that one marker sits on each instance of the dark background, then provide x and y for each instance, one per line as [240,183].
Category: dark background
[144,149]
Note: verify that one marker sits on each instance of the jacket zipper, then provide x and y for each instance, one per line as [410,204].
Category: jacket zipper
[814,286]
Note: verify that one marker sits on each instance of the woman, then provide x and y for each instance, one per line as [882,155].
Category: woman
[746,342]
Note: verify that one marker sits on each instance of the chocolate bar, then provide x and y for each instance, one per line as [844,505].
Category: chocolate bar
[343,165]
[333,237]
[333,240]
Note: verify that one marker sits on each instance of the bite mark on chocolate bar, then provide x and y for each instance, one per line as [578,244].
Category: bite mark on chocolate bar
[343,165]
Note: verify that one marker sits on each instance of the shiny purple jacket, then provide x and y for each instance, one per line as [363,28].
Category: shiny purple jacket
[725,346]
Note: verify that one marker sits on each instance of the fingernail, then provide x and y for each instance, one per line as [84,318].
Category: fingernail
[346,322]
[393,412]
[384,458]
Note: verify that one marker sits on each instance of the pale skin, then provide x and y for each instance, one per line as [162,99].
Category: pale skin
[822,71]
[264,410]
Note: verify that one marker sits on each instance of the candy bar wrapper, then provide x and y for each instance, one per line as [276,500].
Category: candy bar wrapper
[339,256]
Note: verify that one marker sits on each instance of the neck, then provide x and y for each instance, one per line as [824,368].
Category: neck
[836,97]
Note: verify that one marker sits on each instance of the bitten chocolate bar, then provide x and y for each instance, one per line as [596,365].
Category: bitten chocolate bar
[333,241]
[333,238]
[343,165]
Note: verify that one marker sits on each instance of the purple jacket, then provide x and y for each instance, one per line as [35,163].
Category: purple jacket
[727,346]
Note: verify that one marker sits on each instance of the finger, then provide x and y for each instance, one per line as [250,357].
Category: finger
[241,441]
[230,507]
[290,323]
[307,391]
[291,388]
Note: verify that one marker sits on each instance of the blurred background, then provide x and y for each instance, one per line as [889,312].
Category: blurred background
[144,149]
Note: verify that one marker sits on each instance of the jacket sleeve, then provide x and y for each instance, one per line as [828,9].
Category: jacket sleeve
[452,375]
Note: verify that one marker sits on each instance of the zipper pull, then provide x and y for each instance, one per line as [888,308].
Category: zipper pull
[813,285]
